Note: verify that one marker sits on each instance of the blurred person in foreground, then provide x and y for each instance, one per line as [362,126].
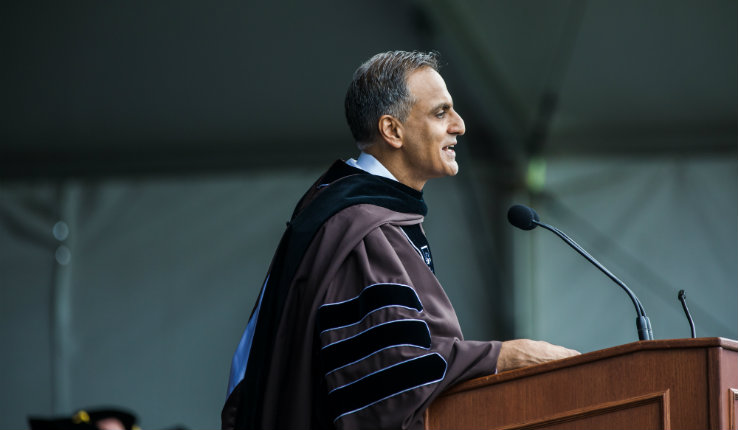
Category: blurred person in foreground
[351,328]
[91,419]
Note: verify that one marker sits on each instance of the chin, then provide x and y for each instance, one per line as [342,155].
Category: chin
[452,170]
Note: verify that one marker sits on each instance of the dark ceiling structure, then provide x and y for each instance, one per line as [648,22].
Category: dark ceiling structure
[101,88]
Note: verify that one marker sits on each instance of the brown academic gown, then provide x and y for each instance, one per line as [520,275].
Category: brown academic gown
[368,337]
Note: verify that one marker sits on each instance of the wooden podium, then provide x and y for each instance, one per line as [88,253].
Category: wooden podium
[656,384]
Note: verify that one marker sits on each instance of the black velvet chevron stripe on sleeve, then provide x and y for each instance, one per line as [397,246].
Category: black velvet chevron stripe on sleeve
[375,339]
[386,383]
[372,298]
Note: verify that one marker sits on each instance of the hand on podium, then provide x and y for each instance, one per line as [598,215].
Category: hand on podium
[525,352]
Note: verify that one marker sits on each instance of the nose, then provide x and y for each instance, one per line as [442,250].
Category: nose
[457,126]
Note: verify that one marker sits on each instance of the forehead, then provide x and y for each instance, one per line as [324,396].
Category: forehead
[428,87]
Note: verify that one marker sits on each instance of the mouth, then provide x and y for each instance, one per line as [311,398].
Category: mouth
[449,149]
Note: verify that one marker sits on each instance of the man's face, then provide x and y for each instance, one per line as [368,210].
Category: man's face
[430,130]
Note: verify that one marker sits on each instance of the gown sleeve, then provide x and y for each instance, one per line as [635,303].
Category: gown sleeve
[389,337]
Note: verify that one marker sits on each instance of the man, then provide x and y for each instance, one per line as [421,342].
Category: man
[351,328]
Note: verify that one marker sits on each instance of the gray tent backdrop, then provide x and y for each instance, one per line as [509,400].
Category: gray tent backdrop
[151,153]
[660,224]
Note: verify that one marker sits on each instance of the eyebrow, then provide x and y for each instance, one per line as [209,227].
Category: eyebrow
[442,105]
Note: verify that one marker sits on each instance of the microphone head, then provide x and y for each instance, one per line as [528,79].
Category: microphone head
[522,217]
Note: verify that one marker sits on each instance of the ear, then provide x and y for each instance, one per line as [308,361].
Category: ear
[390,129]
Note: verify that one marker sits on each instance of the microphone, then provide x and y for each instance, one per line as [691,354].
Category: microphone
[683,298]
[526,218]
[522,217]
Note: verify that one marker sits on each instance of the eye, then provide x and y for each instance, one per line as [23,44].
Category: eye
[443,110]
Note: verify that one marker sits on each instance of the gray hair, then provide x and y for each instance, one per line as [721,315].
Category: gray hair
[379,87]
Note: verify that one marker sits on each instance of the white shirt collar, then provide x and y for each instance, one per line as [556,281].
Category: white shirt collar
[368,163]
